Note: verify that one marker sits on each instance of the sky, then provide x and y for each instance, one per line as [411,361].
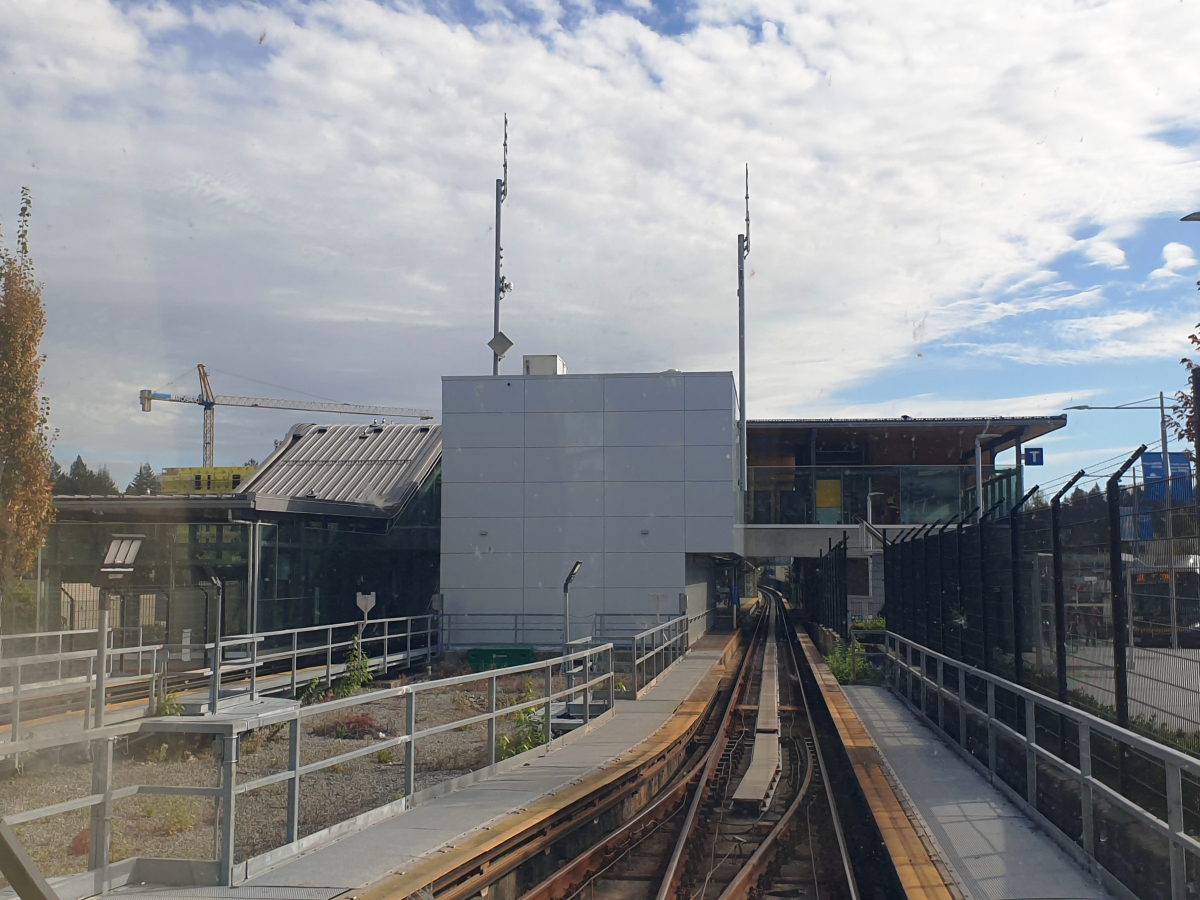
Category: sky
[956,209]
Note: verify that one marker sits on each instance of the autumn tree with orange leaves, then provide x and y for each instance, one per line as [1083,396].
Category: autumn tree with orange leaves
[26,491]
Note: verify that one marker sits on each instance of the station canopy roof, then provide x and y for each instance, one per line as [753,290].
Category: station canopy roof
[329,468]
[958,430]
[362,471]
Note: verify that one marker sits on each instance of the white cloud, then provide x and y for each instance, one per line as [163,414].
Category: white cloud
[1175,257]
[316,209]
[935,406]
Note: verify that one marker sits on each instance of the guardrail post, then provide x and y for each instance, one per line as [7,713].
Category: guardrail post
[1030,752]
[229,760]
[293,796]
[587,691]
[100,826]
[1085,789]
[295,659]
[991,732]
[410,748]
[329,656]
[962,708]
[1175,823]
[15,726]
[549,691]
[492,721]
[612,678]
[941,681]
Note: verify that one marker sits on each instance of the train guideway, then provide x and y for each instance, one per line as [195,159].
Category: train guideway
[759,781]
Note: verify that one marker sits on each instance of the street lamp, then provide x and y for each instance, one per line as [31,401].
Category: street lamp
[1169,483]
[567,605]
[115,570]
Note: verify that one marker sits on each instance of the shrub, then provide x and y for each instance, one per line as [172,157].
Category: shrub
[528,732]
[839,662]
[314,692]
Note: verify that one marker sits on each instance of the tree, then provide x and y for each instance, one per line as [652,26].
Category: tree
[1182,416]
[82,480]
[26,499]
[146,481]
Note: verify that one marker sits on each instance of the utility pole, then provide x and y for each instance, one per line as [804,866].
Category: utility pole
[499,343]
[743,252]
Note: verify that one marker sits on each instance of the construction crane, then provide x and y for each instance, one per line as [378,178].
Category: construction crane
[207,399]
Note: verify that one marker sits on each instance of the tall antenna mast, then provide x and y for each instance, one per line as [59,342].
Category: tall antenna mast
[743,252]
[499,343]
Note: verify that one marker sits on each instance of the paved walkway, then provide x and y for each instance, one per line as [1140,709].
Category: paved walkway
[393,844]
[994,850]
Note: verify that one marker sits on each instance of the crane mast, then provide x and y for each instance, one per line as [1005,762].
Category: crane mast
[209,401]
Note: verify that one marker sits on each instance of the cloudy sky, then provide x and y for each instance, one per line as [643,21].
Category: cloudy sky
[957,208]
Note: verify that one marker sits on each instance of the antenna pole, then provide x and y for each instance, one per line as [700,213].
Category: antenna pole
[500,284]
[743,252]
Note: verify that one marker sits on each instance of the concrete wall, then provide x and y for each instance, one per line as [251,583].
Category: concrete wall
[628,473]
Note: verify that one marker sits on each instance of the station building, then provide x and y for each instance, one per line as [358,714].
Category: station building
[812,483]
[634,475]
[334,510]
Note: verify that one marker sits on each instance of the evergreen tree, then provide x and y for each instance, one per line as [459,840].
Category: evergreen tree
[146,481]
[26,500]
[82,480]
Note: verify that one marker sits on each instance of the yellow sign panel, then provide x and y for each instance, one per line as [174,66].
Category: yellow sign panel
[829,493]
[198,480]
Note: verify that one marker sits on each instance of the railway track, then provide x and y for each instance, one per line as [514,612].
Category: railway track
[710,836]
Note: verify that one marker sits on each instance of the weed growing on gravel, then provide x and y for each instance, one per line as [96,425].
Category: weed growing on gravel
[349,727]
[172,815]
[527,734]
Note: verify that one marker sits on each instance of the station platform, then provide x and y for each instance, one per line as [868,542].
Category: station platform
[415,845]
[992,849]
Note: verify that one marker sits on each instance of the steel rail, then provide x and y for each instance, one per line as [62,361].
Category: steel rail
[851,882]
[587,865]
[470,878]
[670,883]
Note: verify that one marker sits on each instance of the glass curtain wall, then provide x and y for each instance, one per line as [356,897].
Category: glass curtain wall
[899,495]
[171,598]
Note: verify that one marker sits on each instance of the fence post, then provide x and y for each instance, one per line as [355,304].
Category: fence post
[100,830]
[1060,593]
[1015,527]
[1176,824]
[293,795]
[410,748]
[941,548]
[985,619]
[1116,568]
[229,761]
[1085,789]
[15,725]
[549,691]
[492,721]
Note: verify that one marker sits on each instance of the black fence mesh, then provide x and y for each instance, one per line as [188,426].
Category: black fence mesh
[988,597]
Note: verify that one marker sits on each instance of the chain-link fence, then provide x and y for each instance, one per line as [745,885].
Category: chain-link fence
[1092,598]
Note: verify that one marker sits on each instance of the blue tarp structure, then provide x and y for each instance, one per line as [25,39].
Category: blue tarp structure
[1155,477]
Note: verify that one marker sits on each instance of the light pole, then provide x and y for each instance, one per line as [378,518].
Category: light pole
[743,252]
[1168,486]
[567,605]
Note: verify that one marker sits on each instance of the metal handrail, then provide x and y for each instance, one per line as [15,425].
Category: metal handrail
[899,652]
[598,683]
